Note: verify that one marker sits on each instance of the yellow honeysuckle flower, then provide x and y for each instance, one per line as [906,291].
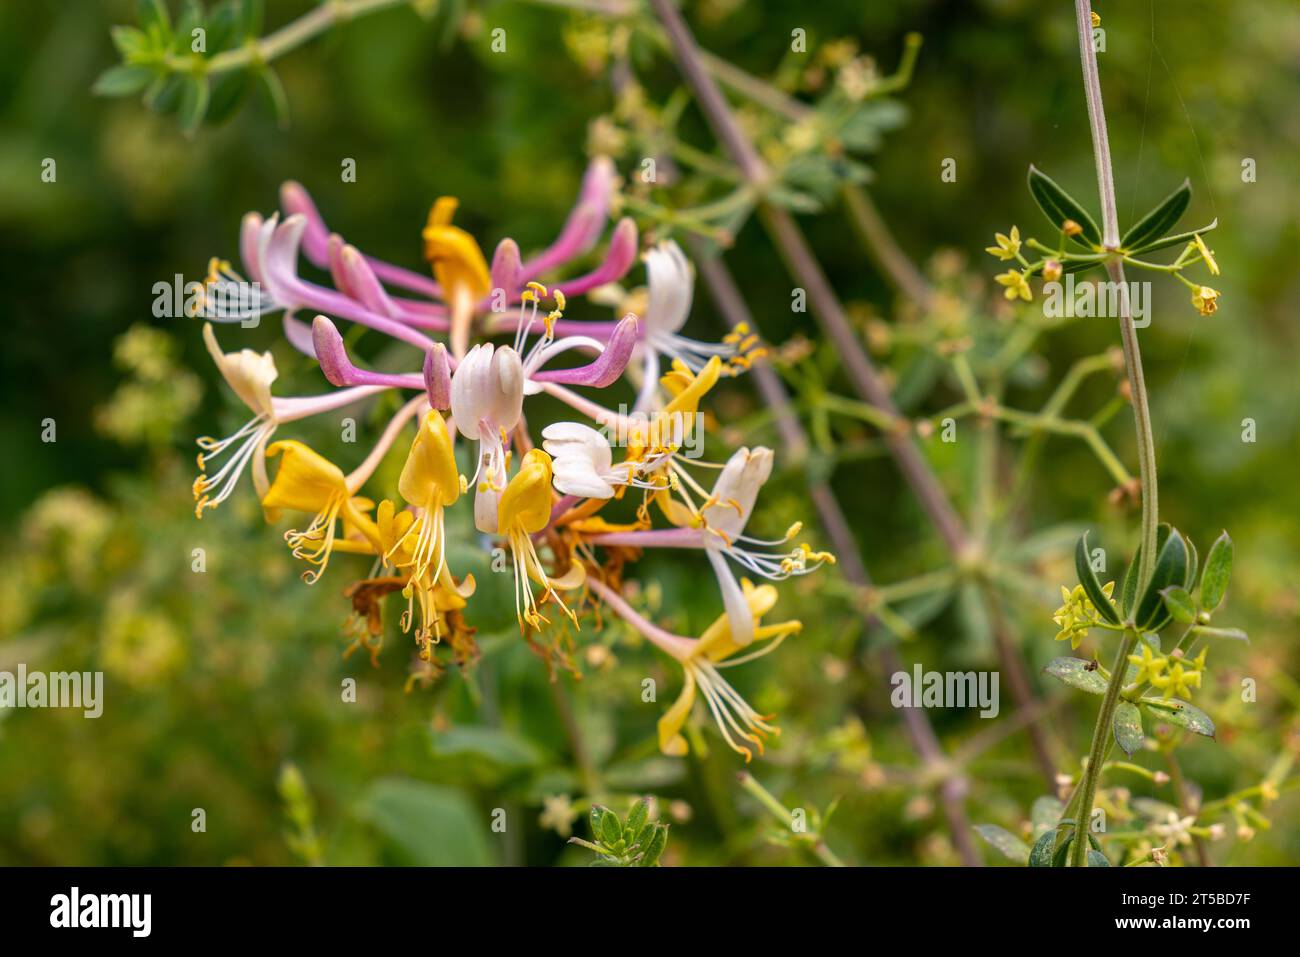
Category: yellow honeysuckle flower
[1149,664]
[1008,247]
[430,482]
[1017,285]
[308,482]
[1205,299]
[700,665]
[689,388]
[524,510]
[455,255]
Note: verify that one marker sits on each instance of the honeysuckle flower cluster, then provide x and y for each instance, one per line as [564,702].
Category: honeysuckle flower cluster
[485,337]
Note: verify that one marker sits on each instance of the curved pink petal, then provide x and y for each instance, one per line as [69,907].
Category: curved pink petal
[607,367]
[338,368]
[618,260]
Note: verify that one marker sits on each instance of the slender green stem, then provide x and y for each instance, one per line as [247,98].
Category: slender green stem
[816,842]
[1101,735]
[287,38]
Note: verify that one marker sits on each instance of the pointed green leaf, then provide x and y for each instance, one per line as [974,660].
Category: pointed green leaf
[1181,713]
[610,830]
[1003,841]
[1175,240]
[1088,579]
[1193,563]
[194,103]
[1232,634]
[1218,569]
[122,80]
[1128,727]
[1058,206]
[275,94]
[1170,569]
[638,815]
[1097,859]
[1161,219]
[130,42]
[1179,604]
[1074,672]
[655,848]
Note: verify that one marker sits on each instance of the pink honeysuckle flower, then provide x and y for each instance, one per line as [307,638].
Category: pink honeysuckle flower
[586,220]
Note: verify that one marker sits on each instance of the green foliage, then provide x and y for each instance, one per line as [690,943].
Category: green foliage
[635,841]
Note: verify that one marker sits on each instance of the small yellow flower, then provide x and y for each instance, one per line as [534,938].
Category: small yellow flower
[1178,681]
[1077,613]
[1071,228]
[1017,285]
[1052,270]
[1205,299]
[1149,665]
[1207,254]
[1096,18]
[1008,247]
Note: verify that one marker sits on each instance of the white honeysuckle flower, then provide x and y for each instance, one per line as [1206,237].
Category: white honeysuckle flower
[583,462]
[725,514]
[250,376]
[487,396]
[671,281]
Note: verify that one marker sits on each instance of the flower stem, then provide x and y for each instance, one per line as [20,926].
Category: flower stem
[1101,734]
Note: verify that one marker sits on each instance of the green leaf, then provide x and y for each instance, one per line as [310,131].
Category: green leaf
[228,91]
[1006,843]
[1181,713]
[1046,811]
[636,817]
[123,80]
[655,848]
[275,94]
[611,830]
[497,745]
[1058,206]
[190,19]
[193,103]
[164,94]
[1232,634]
[151,14]
[1179,604]
[1161,219]
[1128,727]
[1218,569]
[1177,240]
[426,824]
[223,26]
[1074,672]
[1170,569]
[1041,853]
[1097,859]
[1088,579]
[130,41]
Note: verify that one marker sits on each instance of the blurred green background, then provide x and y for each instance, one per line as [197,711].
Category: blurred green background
[216,681]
